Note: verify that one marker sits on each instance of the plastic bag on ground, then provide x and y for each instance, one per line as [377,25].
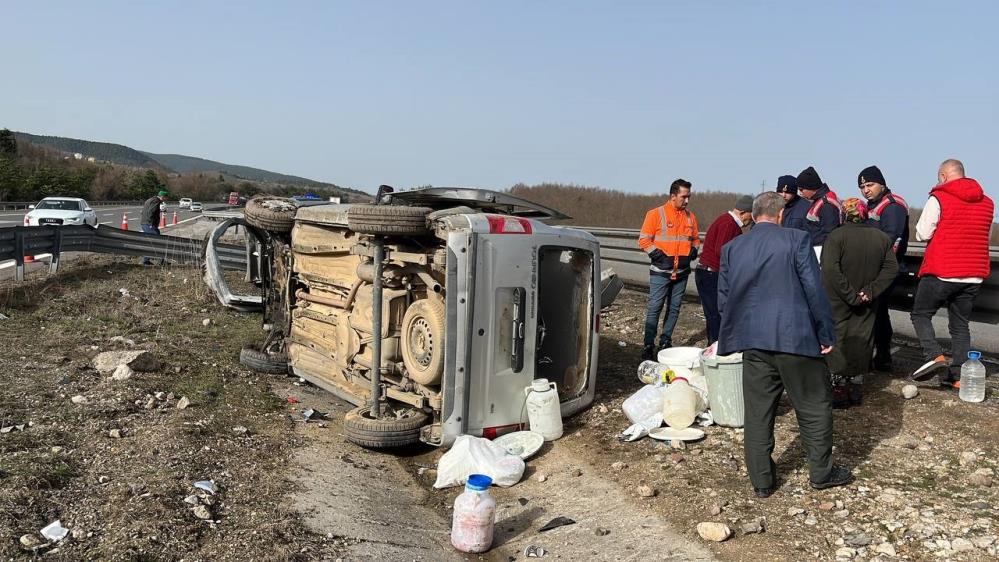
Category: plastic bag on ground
[636,431]
[476,455]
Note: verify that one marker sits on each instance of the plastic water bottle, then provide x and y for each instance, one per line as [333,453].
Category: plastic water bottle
[973,378]
[474,516]
[653,372]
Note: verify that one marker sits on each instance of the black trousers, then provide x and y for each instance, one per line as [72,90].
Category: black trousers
[959,298]
[765,376]
[883,331]
[707,292]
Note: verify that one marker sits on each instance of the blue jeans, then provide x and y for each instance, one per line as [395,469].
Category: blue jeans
[661,290]
[150,229]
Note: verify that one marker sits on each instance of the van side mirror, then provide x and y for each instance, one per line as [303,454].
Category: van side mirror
[31,206]
[87,209]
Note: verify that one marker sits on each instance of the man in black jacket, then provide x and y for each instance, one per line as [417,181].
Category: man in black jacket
[889,213]
[150,218]
[825,212]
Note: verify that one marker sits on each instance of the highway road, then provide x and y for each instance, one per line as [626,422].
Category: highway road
[110,216]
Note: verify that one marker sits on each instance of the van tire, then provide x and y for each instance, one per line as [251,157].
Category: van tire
[262,362]
[359,428]
[389,220]
[422,340]
[271,213]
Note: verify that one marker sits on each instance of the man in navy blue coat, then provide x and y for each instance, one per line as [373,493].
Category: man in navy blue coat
[774,310]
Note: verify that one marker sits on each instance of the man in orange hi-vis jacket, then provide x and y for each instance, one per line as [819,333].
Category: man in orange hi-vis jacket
[670,237]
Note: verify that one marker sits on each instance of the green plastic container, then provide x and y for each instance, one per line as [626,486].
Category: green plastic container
[724,376]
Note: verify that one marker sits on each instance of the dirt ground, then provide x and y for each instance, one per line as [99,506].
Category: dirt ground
[116,468]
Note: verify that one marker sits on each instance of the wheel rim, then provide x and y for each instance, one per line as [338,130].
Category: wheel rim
[421,342]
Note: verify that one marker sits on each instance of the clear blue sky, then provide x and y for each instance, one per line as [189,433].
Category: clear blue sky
[624,95]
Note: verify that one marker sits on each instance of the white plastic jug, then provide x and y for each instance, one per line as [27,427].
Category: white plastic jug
[543,409]
[681,404]
[474,516]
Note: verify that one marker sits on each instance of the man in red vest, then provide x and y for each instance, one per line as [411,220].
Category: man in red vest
[957,222]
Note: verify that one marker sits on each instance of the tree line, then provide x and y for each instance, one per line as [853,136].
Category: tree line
[29,172]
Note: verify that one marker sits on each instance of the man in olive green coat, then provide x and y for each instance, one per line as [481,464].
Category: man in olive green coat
[858,265]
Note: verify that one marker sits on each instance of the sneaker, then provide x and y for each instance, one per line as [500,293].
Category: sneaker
[840,397]
[838,476]
[929,369]
[649,353]
[856,394]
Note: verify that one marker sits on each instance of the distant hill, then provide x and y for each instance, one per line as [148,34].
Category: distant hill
[103,151]
[187,164]
[126,156]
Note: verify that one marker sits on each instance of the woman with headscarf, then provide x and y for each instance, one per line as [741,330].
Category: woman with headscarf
[858,265]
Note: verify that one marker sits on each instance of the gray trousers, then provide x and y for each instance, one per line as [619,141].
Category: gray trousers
[765,376]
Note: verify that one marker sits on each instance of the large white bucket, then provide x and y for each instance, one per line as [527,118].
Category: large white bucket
[684,361]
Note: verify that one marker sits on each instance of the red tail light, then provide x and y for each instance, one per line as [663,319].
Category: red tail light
[26,221]
[508,225]
[494,432]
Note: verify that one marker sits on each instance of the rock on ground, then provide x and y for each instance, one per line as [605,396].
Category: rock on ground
[711,531]
[141,360]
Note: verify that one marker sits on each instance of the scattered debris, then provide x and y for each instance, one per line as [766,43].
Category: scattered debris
[54,531]
[541,477]
[207,485]
[78,399]
[793,511]
[292,399]
[857,540]
[575,472]
[206,322]
[522,501]
[711,531]
[715,510]
[183,403]
[981,477]
[622,344]
[644,491]
[601,532]
[201,512]
[886,548]
[755,526]
[535,552]
[30,542]
[556,523]
[968,457]
[827,506]
[123,340]
[4,317]
[193,499]
[240,430]
[910,391]
[619,465]
[115,434]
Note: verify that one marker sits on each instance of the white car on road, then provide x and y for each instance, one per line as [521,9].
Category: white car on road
[60,210]
[196,206]
[185,202]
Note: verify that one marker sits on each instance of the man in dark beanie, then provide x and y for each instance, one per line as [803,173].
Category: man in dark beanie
[795,207]
[825,212]
[724,229]
[889,213]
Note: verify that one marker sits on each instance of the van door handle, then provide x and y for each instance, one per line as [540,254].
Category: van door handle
[519,330]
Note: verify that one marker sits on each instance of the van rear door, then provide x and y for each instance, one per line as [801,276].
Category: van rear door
[522,304]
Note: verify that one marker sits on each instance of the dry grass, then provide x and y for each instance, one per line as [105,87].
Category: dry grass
[126,495]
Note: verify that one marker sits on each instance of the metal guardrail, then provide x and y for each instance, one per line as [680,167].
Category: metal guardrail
[619,249]
[19,241]
[15,205]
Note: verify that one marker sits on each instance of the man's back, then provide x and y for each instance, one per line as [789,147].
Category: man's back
[770,294]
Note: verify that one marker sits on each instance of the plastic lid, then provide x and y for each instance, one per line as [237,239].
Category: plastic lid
[974,355]
[478,482]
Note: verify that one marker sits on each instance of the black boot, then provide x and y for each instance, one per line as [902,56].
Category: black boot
[649,353]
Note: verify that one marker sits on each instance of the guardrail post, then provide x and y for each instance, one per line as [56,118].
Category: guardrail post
[56,250]
[18,255]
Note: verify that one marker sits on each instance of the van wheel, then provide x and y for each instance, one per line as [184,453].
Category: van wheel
[361,429]
[263,362]
[273,214]
[423,340]
[388,219]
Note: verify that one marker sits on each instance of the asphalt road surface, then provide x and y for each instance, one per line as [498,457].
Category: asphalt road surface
[110,216]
